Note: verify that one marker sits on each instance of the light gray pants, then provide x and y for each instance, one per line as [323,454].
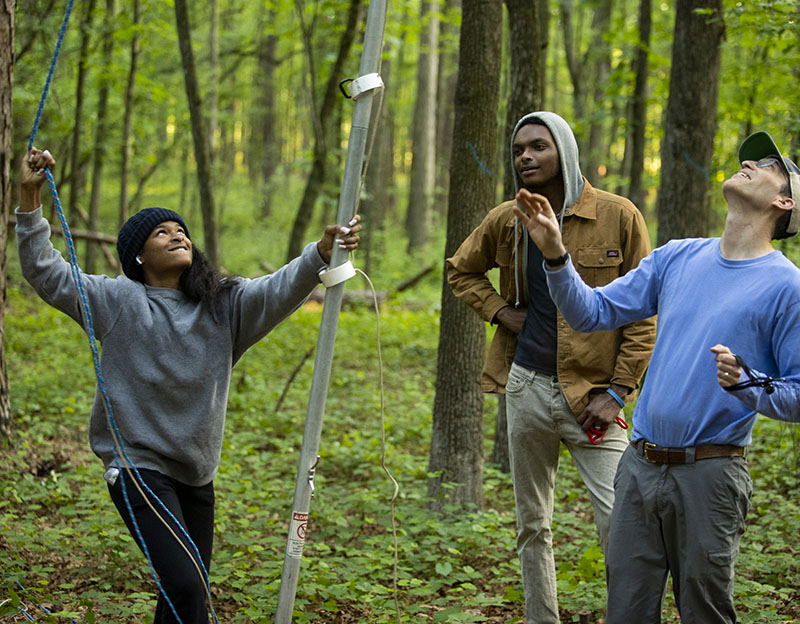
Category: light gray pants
[684,519]
[539,419]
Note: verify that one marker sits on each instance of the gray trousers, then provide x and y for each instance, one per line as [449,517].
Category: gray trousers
[683,519]
[539,420]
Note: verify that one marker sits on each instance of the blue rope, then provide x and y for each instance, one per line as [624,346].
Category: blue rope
[77,277]
[61,34]
[42,607]
[89,326]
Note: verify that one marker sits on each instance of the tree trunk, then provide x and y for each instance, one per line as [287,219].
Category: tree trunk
[128,116]
[524,76]
[6,85]
[544,43]
[500,456]
[446,90]
[266,146]
[423,164]
[599,55]
[379,179]
[76,186]
[691,120]
[213,82]
[100,137]
[456,453]
[202,152]
[318,172]
[639,108]
[576,65]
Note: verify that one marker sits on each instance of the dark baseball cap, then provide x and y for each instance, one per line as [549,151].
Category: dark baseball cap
[760,145]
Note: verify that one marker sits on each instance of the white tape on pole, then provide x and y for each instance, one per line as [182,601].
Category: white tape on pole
[365,83]
[337,275]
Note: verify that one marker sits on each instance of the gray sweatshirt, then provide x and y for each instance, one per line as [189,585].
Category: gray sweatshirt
[165,361]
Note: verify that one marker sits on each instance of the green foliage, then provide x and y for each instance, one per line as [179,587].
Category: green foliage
[59,534]
[63,541]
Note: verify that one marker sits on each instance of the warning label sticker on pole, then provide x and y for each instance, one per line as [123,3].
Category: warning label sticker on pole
[297,535]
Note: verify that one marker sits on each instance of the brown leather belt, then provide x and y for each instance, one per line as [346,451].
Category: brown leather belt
[668,455]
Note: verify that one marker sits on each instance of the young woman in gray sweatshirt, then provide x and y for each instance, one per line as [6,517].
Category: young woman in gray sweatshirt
[171,330]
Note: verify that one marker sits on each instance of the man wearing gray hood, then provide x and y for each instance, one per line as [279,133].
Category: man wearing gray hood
[560,385]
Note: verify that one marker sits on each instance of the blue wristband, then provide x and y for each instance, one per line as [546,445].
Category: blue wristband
[616,397]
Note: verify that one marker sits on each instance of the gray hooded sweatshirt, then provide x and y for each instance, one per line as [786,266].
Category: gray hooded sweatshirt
[165,361]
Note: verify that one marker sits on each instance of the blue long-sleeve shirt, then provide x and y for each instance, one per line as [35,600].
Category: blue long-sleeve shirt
[702,299]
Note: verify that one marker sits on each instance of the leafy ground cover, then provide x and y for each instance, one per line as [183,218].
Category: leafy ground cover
[64,544]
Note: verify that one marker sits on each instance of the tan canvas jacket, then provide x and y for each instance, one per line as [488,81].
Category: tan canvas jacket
[606,236]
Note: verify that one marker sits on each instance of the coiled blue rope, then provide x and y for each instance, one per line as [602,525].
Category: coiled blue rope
[89,327]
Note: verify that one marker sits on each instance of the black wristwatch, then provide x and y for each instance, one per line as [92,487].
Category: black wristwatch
[556,262]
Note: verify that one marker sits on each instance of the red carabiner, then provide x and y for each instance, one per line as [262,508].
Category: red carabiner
[596,434]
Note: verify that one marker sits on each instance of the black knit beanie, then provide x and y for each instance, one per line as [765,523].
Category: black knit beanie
[134,233]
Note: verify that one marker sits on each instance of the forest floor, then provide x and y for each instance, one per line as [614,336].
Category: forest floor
[65,549]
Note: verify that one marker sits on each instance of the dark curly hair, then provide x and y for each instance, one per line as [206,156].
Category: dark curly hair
[202,283]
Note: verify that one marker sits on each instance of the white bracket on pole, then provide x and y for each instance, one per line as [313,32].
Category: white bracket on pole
[336,275]
[361,85]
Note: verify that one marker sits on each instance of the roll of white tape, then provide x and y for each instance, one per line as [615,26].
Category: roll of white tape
[336,275]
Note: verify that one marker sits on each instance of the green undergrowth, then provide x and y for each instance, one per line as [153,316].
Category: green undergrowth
[62,541]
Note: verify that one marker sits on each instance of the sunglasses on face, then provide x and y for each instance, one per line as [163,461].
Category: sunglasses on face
[769,161]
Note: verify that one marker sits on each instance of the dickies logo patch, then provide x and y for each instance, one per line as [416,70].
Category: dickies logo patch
[612,253]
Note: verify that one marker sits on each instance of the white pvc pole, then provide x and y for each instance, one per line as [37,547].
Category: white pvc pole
[348,202]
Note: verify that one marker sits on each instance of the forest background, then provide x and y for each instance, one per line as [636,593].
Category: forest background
[660,95]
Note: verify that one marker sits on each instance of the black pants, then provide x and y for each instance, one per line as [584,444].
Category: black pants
[193,507]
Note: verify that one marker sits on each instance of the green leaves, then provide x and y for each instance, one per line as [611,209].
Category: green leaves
[62,539]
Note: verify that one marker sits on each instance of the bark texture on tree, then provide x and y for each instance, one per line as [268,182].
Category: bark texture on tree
[691,120]
[525,78]
[265,146]
[423,164]
[379,178]
[319,165]
[99,157]
[456,453]
[202,151]
[76,176]
[639,107]
[128,115]
[6,83]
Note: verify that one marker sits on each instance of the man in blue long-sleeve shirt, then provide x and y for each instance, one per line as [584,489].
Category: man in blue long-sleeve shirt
[682,489]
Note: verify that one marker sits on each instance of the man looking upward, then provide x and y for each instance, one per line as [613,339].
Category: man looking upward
[682,487]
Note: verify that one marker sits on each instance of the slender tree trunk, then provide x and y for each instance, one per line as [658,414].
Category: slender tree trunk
[599,55]
[100,137]
[319,168]
[128,116]
[379,179]
[213,82]
[76,187]
[639,108]
[524,74]
[500,456]
[456,454]
[6,117]
[423,164]
[202,152]
[446,89]
[691,120]
[266,148]
[544,43]
[576,65]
